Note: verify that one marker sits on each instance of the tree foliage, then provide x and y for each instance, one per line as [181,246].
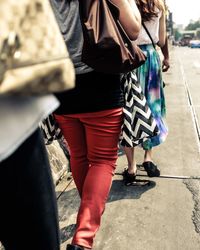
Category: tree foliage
[193,26]
[177,34]
[198,34]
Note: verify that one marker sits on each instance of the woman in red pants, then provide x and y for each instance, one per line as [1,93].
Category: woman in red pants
[90,117]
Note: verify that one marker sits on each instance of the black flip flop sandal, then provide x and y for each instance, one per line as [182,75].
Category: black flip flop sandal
[151,169]
[128,178]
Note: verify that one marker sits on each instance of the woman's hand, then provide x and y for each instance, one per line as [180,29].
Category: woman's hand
[165,52]
[165,65]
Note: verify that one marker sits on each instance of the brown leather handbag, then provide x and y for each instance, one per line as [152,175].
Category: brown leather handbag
[107,48]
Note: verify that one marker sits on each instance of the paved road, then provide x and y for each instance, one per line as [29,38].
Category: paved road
[189,60]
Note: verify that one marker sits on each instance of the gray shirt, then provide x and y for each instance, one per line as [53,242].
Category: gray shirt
[19,118]
[67,15]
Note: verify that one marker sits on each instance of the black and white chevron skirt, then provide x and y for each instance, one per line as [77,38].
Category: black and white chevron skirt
[50,130]
[139,124]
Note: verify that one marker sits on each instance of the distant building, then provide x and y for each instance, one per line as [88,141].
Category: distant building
[180,27]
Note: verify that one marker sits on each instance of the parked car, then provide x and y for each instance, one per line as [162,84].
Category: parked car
[184,41]
[194,44]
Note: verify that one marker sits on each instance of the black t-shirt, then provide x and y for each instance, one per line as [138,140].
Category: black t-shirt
[94,91]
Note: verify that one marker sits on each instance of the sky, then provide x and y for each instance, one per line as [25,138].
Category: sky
[184,10]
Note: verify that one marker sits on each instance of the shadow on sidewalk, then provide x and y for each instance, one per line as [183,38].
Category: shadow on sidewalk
[67,232]
[119,191]
[69,202]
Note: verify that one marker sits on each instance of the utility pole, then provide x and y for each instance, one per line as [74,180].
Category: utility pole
[169,20]
[170,23]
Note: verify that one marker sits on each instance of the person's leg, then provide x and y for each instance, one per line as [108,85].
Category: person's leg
[28,213]
[131,159]
[148,155]
[129,174]
[148,164]
[102,134]
[74,133]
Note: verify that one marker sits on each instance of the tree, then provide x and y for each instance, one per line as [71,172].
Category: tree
[193,26]
[198,33]
[177,34]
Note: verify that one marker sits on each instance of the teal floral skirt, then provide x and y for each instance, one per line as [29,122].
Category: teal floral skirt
[150,77]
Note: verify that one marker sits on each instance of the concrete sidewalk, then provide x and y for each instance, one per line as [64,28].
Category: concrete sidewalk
[164,215]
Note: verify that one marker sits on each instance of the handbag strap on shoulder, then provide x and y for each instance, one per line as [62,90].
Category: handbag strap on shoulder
[148,33]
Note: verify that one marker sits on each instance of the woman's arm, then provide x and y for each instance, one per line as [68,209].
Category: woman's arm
[165,52]
[162,26]
[129,18]
[162,31]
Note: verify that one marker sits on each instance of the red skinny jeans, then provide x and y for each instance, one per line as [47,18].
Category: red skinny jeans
[93,143]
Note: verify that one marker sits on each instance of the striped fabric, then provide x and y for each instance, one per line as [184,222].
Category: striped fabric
[139,124]
[50,130]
